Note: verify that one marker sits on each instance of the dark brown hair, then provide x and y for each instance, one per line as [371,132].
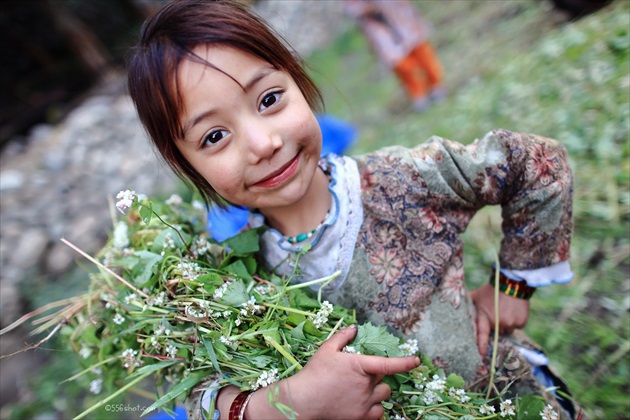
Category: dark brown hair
[168,38]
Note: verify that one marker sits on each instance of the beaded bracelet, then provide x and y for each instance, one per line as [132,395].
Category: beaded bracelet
[517,289]
[237,409]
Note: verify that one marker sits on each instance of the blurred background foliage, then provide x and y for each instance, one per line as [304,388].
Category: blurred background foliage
[512,64]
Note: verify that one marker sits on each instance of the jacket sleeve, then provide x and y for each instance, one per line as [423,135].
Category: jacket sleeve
[526,174]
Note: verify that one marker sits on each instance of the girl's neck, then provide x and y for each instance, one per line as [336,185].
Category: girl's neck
[306,214]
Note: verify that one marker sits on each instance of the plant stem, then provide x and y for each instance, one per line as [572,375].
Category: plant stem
[283,352]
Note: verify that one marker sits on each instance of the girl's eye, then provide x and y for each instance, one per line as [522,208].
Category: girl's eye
[269,100]
[213,137]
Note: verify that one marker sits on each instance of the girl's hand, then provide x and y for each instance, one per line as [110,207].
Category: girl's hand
[513,314]
[337,385]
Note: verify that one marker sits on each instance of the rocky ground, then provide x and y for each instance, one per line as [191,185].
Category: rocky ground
[58,181]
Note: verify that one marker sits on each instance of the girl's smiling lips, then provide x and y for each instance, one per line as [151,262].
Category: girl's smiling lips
[281,175]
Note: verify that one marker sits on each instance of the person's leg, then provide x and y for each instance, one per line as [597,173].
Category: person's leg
[424,54]
[413,79]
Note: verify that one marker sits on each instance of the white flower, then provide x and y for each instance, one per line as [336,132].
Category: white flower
[189,270]
[350,349]
[486,409]
[130,298]
[202,246]
[250,307]
[322,315]
[459,394]
[218,293]
[548,413]
[174,200]
[85,352]
[118,319]
[410,347]
[437,384]
[169,242]
[198,205]
[121,235]
[96,386]
[125,200]
[130,358]
[431,397]
[265,379]
[507,409]
[226,341]
[171,351]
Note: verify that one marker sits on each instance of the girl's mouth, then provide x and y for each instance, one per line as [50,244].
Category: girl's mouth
[281,175]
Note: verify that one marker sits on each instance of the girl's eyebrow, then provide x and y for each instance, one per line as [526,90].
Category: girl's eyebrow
[257,77]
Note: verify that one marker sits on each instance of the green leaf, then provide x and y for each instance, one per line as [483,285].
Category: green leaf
[376,341]
[454,381]
[529,406]
[178,389]
[152,368]
[238,268]
[213,357]
[244,243]
[236,294]
[147,267]
[146,212]
[295,319]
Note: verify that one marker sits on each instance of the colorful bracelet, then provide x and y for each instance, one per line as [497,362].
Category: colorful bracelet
[237,409]
[517,289]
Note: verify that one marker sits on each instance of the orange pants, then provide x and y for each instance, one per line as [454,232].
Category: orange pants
[420,72]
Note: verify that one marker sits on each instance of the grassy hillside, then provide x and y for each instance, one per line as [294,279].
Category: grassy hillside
[515,65]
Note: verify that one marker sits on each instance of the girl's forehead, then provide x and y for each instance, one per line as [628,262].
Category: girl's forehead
[220,61]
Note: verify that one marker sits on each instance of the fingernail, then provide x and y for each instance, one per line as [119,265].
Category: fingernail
[417,361]
[352,327]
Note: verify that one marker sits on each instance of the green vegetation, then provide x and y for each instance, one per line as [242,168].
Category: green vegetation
[514,65]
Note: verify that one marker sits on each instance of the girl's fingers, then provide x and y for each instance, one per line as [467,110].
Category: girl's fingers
[383,366]
[382,391]
[340,339]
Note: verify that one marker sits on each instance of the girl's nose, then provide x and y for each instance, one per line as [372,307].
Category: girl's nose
[262,142]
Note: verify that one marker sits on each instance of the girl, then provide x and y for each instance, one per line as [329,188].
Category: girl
[229,107]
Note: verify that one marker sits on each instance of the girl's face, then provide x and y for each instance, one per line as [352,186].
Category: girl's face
[251,134]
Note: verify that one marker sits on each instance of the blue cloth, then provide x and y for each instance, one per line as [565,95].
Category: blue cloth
[337,137]
[180,414]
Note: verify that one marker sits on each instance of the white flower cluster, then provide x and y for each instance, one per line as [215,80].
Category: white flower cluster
[265,379]
[96,386]
[431,389]
[410,347]
[130,298]
[171,351]
[121,235]
[507,409]
[201,246]
[130,359]
[85,352]
[125,200]
[459,394]
[190,270]
[263,289]
[322,315]
[250,307]
[169,242]
[548,413]
[486,409]
[350,349]
[118,319]
[174,200]
[225,340]
[220,291]
[157,300]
